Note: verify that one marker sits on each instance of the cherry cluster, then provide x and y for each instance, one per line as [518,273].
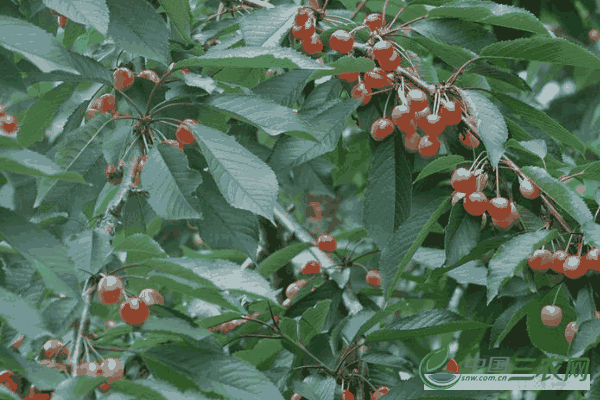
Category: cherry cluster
[231,325]
[551,316]
[305,29]
[134,310]
[8,123]
[572,266]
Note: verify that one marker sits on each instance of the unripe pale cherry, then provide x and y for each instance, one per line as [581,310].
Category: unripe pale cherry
[463,180]
[134,311]
[294,288]
[573,268]
[570,330]
[528,189]
[551,315]
[540,259]
[428,146]
[150,75]
[89,368]
[499,208]
[112,368]
[55,349]
[475,203]
[592,259]
[107,102]
[151,296]
[373,277]
[382,128]
[341,41]
[110,288]
[296,396]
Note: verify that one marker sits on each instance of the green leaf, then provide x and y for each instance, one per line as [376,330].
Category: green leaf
[254,57]
[561,194]
[544,122]
[461,234]
[27,162]
[504,75]
[353,235]
[425,323]
[281,257]
[509,318]
[345,64]
[380,316]
[176,326]
[77,387]
[586,337]
[585,306]
[487,12]
[556,51]
[86,12]
[139,248]
[442,164]
[20,315]
[41,249]
[231,255]
[284,89]
[180,15]
[171,183]
[244,180]
[491,127]
[316,387]
[388,196]
[148,39]
[267,27]
[262,355]
[591,230]
[135,389]
[312,321]
[511,256]
[455,56]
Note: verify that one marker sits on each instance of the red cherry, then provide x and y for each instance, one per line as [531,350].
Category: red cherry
[349,76]
[451,112]
[9,123]
[311,267]
[594,35]
[150,75]
[134,311]
[432,125]
[380,392]
[89,368]
[304,31]
[475,203]
[124,78]
[185,71]
[151,296]
[8,380]
[341,41]
[506,223]
[107,102]
[110,289]
[570,330]
[469,140]
[184,133]
[376,78]
[361,92]
[2,110]
[62,21]
[411,142]
[402,115]
[347,395]
[302,15]
[592,259]
[428,146]
[373,21]
[383,50]
[528,189]
[390,64]
[417,99]
[313,44]
[551,315]
[382,128]
[540,259]
[463,180]
[558,259]
[573,268]
[294,288]
[296,396]
[326,242]
[499,208]
[113,369]
[373,277]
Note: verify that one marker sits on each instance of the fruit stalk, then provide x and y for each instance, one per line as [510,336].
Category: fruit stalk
[87,295]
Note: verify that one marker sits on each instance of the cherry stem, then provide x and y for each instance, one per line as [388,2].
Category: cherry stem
[383,13]
[95,351]
[386,104]
[596,214]
[358,28]
[451,80]
[125,267]
[132,103]
[84,314]
[161,135]
[87,353]
[259,322]
[364,255]
[497,184]
[569,243]
[556,295]
[404,25]
[396,17]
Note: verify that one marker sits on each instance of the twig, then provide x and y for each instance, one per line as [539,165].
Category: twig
[84,314]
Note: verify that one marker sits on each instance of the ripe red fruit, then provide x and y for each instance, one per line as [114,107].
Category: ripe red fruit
[373,21]
[597,314]
[9,123]
[469,140]
[349,76]
[296,396]
[411,142]
[506,223]
[302,15]
[428,146]
[417,100]
[570,330]
[432,125]
[573,268]
[380,392]
[89,368]
[62,21]
[112,368]
[311,267]
[184,133]
[326,242]
[294,288]
[383,50]
[104,388]
[540,259]
[382,128]
[551,315]
[593,34]
[592,259]
[151,296]
[2,110]
[528,189]
[8,380]
[313,44]
[402,115]
[124,78]
[341,41]
[558,259]
[134,311]
[304,31]
[463,181]
[376,78]
[347,395]
[451,112]
[499,208]
[390,64]
[150,75]
[361,92]
[475,203]
[107,102]
[373,277]
[110,289]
